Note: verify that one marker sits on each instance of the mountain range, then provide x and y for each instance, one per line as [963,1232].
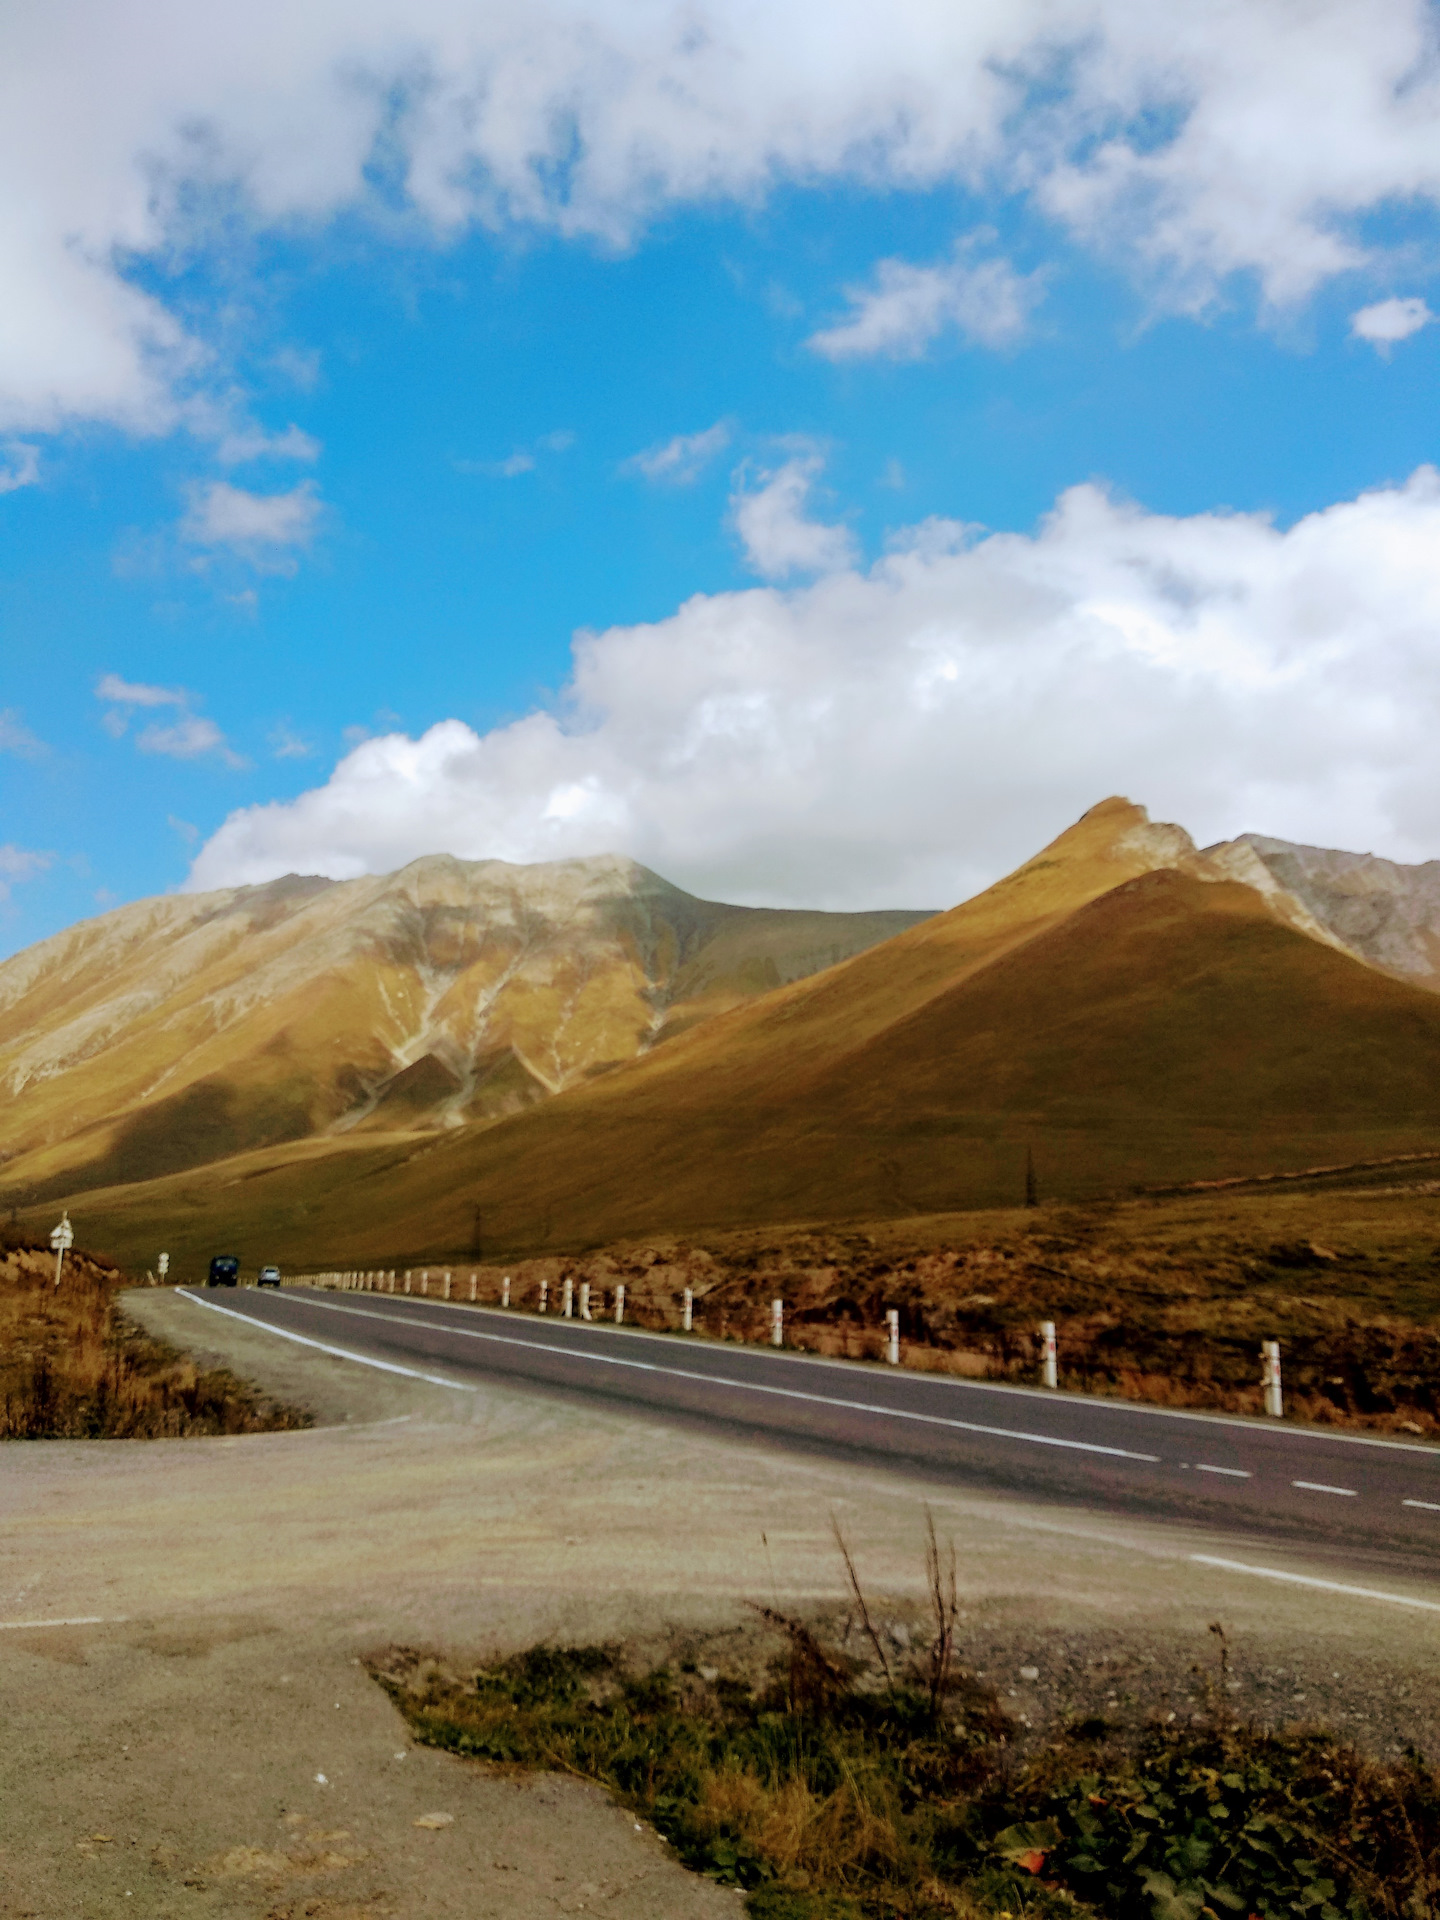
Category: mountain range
[481,1058]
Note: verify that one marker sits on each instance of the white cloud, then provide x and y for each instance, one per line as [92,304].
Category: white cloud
[22,468]
[680,461]
[135,693]
[16,737]
[906,307]
[240,445]
[1390,320]
[901,736]
[262,528]
[1232,138]
[286,744]
[768,509]
[189,737]
[20,863]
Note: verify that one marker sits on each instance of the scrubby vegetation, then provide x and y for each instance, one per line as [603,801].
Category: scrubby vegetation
[72,1366]
[1160,1300]
[833,1788]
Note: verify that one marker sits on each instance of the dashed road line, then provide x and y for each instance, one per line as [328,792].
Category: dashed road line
[1319,1486]
[1426,1506]
[1231,1473]
[78,1620]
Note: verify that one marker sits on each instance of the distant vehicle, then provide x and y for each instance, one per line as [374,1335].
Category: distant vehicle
[224,1271]
[269,1277]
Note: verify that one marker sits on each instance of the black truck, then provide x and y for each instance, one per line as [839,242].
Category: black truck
[224,1271]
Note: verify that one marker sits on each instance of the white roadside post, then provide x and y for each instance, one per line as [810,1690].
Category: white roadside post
[544,1296]
[1049,1370]
[447,1283]
[505,1291]
[62,1239]
[407,1279]
[472,1286]
[162,1267]
[1270,1379]
[687,1311]
[425,1282]
[892,1336]
[584,1299]
[567,1311]
[777,1323]
[620,1304]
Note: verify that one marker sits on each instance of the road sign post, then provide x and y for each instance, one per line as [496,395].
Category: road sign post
[62,1239]
[162,1267]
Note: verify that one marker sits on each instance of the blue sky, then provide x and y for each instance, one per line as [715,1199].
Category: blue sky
[361,458]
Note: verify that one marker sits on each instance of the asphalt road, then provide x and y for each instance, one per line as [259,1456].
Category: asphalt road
[1371,1501]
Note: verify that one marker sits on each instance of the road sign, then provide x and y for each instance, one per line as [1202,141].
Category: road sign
[62,1239]
[162,1265]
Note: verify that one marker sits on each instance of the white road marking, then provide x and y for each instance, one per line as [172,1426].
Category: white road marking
[1308,1580]
[1428,1506]
[80,1620]
[712,1380]
[1048,1395]
[1318,1486]
[340,1353]
[1233,1473]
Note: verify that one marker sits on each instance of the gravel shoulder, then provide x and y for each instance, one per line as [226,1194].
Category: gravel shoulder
[166,1757]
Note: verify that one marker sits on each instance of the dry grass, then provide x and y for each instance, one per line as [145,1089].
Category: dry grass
[73,1367]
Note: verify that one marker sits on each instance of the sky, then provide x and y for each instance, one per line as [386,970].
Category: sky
[816,451]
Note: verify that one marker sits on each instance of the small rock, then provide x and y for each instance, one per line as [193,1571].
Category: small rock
[321,1781]
[432,1822]
[709,1674]
[1029,1673]
[900,1635]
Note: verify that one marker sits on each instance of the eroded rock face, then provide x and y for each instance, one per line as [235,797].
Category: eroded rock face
[1382,912]
[175,1031]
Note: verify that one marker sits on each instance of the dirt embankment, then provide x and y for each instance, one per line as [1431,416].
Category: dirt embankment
[1174,1323]
[72,1367]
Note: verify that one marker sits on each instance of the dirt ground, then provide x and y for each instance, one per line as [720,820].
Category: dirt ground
[205,1742]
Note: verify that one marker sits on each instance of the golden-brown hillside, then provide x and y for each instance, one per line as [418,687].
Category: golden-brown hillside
[177,1031]
[1126,1021]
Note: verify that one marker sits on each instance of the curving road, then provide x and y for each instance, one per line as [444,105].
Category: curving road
[1371,1502]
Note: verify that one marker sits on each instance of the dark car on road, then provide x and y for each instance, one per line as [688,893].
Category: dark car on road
[224,1271]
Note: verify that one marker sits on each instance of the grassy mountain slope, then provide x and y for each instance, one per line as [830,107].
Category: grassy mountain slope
[180,1031]
[1130,1023]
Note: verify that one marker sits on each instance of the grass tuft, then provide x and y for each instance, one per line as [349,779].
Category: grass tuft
[833,1790]
[72,1367]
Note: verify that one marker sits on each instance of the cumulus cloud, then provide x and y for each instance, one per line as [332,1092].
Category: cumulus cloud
[905,307]
[187,737]
[681,461]
[16,737]
[239,445]
[1390,320]
[1250,138]
[20,863]
[902,735]
[263,529]
[21,466]
[779,538]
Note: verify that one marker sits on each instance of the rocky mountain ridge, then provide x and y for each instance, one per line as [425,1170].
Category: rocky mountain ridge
[174,1030]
